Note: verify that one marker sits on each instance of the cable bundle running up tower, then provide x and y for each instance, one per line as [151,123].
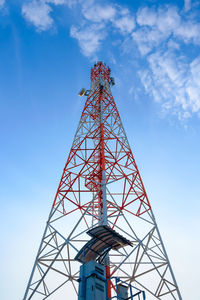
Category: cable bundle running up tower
[101,218]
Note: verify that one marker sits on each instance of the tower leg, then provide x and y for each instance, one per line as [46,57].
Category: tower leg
[109,282]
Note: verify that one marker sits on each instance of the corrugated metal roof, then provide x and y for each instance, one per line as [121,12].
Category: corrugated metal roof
[103,240]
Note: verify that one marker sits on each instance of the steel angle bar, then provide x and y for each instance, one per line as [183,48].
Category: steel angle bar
[171,271]
[67,241]
[46,272]
[155,267]
[83,215]
[123,215]
[72,239]
[150,270]
[140,242]
[55,256]
[51,252]
[31,276]
[54,269]
[161,280]
[134,239]
[39,292]
[57,288]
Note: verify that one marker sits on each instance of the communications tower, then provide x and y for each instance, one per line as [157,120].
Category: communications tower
[101,239]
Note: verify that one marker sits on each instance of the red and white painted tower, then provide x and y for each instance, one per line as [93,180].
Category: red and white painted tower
[101,185]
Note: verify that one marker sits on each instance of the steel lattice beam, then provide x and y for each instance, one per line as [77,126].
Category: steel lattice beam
[101,183]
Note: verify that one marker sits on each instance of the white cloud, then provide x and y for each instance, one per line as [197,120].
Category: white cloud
[146,16]
[69,3]
[160,35]
[99,20]
[56,2]
[169,78]
[89,38]
[155,27]
[173,45]
[187,5]
[37,13]
[2,3]
[163,23]
[188,32]
[118,16]
[193,85]
[95,18]
[147,39]
[125,24]
[168,19]
[165,19]
[173,83]
[98,13]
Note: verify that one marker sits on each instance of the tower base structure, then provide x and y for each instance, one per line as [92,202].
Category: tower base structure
[92,282]
[93,285]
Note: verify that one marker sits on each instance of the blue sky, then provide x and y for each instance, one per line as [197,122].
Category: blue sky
[47,50]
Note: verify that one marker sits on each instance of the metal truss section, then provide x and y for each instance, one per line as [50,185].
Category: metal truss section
[101,183]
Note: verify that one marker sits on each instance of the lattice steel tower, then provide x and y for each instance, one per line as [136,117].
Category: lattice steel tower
[101,195]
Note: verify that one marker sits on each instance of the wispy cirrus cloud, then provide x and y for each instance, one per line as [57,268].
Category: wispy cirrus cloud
[97,22]
[161,36]
[97,13]
[125,23]
[156,27]
[187,5]
[117,16]
[89,38]
[94,20]
[173,82]
[38,12]
[170,78]
[2,3]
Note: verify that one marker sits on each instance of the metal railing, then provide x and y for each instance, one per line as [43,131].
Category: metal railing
[133,292]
